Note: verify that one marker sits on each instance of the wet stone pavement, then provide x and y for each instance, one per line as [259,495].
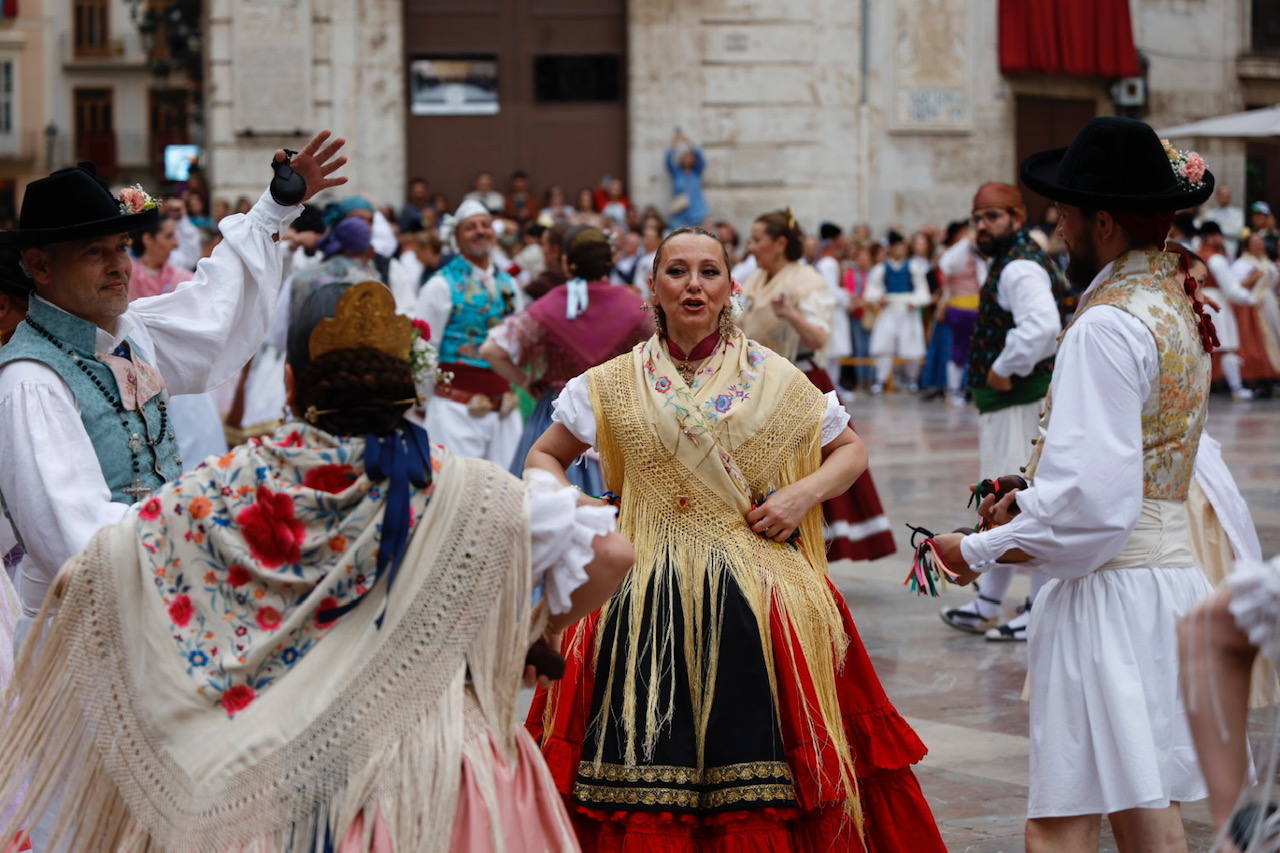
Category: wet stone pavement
[961,692]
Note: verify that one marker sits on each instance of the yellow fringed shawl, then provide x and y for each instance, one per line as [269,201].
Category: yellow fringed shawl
[687,461]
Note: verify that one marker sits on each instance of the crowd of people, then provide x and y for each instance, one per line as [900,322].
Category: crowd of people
[227,438]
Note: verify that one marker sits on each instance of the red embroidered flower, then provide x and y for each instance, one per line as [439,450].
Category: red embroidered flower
[339,543]
[150,510]
[293,439]
[327,603]
[423,328]
[180,611]
[270,527]
[268,618]
[238,575]
[200,507]
[330,478]
[237,697]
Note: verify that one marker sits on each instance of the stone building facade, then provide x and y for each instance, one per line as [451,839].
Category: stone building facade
[280,69]
[890,113]
[848,110]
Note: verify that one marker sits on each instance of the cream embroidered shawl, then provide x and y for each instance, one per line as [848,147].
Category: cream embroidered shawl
[369,719]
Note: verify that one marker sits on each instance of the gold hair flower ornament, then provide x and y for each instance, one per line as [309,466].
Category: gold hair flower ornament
[366,317]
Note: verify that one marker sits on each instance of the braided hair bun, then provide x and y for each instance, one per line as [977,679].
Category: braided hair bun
[588,252]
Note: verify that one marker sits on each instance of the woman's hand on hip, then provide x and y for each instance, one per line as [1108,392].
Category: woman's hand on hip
[781,513]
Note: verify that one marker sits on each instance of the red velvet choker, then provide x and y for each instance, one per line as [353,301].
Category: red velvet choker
[704,349]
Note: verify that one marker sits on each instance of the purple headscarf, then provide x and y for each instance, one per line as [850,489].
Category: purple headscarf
[351,235]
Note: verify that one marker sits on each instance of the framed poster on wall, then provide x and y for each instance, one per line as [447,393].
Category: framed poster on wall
[452,85]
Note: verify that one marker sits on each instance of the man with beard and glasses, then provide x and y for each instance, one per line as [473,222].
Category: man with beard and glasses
[1106,513]
[1010,362]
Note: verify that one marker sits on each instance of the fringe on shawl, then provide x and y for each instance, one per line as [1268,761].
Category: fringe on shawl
[690,572]
[51,744]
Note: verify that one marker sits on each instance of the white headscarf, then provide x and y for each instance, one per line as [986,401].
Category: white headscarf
[469,208]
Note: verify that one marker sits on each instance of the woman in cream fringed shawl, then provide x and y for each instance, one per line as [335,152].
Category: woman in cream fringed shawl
[721,700]
[313,642]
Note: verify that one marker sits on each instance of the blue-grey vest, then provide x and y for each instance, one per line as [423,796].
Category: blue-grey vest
[110,431]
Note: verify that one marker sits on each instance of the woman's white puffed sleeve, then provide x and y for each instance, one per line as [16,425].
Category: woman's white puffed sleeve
[561,534]
[1255,603]
[573,409]
[834,418]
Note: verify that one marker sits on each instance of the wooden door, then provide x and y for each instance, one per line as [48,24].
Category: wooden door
[1044,123]
[561,84]
[95,129]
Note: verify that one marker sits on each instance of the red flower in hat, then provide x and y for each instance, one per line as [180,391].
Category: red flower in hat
[272,530]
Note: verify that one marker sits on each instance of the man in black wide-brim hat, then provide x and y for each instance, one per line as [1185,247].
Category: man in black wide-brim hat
[1105,516]
[85,378]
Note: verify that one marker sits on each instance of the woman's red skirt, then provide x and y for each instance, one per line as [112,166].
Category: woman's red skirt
[857,528]
[896,816]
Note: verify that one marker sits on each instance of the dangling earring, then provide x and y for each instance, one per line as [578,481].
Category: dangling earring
[660,320]
[727,326]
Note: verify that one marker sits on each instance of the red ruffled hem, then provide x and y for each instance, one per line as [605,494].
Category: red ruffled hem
[896,816]
[896,819]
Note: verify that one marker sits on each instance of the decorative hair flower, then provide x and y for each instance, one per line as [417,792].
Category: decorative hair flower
[1188,166]
[134,199]
[424,359]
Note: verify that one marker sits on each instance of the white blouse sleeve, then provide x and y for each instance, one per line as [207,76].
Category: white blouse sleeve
[1255,603]
[502,336]
[834,418]
[203,333]
[51,479]
[561,534]
[435,305]
[573,409]
[1024,290]
[1087,493]
[817,308]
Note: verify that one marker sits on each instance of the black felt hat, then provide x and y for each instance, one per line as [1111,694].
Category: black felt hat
[72,204]
[1113,164]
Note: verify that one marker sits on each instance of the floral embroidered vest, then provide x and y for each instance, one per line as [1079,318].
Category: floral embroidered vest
[103,423]
[476,310]
[993,327]
[1148,286]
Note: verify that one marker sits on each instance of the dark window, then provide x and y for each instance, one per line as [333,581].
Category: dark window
[92,27]
[1266,27]
[589,77]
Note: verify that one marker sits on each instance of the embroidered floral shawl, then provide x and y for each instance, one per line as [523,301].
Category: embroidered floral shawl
[196,691]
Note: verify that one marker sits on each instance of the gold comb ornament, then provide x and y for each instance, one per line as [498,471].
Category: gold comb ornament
[366,317]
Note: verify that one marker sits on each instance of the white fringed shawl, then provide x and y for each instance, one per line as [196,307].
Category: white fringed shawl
[370,720]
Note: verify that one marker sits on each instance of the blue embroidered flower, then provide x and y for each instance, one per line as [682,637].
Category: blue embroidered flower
[723,402]
[755,358]
[289,655]
[662,385]
[197,658]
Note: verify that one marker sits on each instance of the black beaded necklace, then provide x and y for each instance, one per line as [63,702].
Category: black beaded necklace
[137,491]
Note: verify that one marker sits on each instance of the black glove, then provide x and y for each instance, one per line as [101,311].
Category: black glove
[287,187]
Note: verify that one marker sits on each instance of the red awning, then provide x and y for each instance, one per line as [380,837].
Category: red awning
[1083,38]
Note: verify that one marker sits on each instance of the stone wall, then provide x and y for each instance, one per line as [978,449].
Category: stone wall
[775,94]
[281,69]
